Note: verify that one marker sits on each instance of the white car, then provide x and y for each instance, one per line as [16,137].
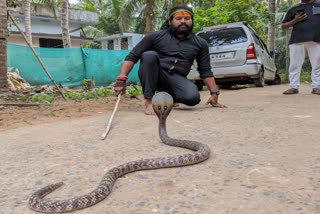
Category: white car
[237,56]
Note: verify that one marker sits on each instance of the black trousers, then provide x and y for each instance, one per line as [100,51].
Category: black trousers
[153,79]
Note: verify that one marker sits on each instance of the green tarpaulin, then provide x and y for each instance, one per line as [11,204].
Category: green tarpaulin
[69,66]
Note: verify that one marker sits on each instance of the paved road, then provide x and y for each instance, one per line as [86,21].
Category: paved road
[265,158]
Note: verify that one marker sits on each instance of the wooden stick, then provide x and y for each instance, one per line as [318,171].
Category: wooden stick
[35,53]
[19,104]
[104,135]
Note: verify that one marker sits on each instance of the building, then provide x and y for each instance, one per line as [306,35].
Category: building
[46,28]
[121,41]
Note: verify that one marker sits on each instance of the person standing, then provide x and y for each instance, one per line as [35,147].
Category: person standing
[166,57]
[305,38]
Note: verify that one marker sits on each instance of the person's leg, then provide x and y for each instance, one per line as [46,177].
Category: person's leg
[297,56]
[153,78]
[314,56]
[148,74]
[181,89]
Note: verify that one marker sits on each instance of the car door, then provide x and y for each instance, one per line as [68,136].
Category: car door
[259,48]
[268,62]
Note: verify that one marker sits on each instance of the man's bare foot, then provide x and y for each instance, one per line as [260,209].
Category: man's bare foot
[148,107]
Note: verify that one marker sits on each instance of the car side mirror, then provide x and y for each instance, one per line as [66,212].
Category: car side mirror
[274,52]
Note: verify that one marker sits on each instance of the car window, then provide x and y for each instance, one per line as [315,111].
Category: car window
[265,46]
[257,41]
[260,43]
[225,36]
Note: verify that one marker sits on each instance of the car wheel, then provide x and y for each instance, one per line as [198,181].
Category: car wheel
[225,86]
[277,80]
[199,84]
[259,82]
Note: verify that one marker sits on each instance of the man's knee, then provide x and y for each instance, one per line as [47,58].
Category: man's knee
[149,62]
[191,99]
[149,56]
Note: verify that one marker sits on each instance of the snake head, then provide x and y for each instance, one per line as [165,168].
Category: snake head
[162,103]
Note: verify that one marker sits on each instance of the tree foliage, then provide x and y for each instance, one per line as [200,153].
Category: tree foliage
[109,13]
[227,11]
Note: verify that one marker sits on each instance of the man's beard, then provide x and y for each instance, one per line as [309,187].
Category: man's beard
[179,31]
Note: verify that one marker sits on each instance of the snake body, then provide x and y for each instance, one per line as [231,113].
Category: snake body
[162,104]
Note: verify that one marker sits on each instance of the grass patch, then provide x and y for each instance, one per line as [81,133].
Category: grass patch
[134,90]
[48,97]
[88,94]
[42,98]
[305,76]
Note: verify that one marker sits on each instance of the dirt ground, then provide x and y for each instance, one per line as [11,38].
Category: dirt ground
[264,154]
[21,116]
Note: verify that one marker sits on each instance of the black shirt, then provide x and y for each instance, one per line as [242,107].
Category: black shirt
[306,30]
[174,53]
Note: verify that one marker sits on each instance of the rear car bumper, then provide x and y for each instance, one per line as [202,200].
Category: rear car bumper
[246,71]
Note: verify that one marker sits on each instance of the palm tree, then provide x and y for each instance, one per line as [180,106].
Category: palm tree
[150,14]
[139,16]
[271,24]
[27,19]
[3,46]
[65,23]
[64,16]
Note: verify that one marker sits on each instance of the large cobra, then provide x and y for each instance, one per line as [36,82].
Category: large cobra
[162,103]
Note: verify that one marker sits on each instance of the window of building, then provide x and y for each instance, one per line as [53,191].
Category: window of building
[124,43]
[50,43]
[110,45]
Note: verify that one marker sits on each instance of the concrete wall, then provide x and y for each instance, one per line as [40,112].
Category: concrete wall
[44,22]
[75,16]
[132,38]
[135,40]
[18,40]
[45,26]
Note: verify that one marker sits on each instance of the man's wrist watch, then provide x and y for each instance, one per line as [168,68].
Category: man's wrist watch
[216,92]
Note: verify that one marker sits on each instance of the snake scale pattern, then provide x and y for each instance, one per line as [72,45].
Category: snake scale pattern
[162,104]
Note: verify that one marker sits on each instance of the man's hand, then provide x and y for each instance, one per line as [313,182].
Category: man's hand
[300,17]
[120,87]
[121,82]
[213,100]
